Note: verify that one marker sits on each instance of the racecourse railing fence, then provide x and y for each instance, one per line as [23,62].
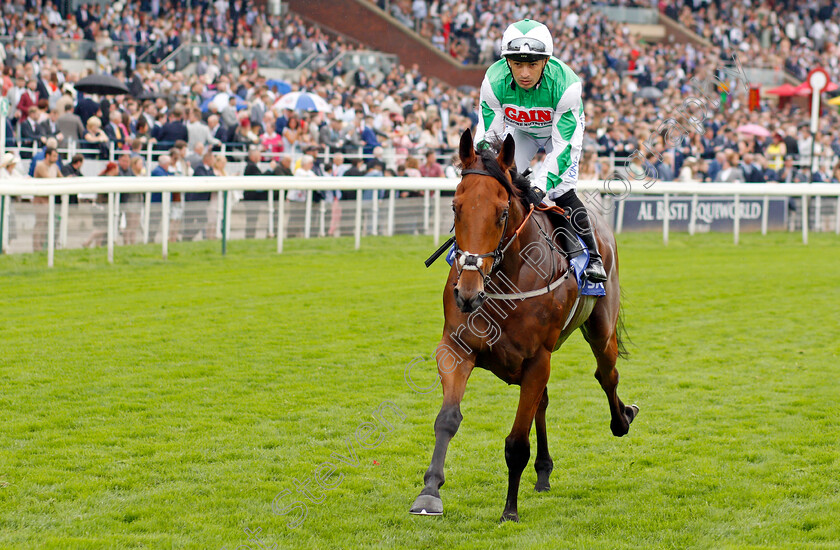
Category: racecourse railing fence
[294,201]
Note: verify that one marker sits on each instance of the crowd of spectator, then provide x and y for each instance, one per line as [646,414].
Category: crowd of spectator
[236,109]
[616,66]
[795,35]
[125,34]
[470,30]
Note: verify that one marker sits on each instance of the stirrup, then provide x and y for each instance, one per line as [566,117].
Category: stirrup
[595,271]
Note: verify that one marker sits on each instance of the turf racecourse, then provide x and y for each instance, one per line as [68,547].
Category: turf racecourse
[153,404]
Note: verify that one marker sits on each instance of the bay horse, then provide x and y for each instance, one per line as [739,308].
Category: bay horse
[513,334]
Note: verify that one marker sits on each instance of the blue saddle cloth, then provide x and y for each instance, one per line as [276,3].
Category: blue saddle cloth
[579,263]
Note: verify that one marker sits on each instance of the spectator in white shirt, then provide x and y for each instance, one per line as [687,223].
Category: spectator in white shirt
[305,169]
[197,131]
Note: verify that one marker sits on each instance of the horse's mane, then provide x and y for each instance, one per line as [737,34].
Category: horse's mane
[520,184]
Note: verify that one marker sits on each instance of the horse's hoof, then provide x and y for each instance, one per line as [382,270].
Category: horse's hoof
[620,426]
[509,516]
[544,468]
[427,505]
[542,486]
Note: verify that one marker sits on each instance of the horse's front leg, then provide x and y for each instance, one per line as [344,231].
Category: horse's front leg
[543,463]
[454,371]
[517,445]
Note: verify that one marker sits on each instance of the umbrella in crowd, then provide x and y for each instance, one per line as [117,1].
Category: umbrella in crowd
[650,92]
[303,101]
[103,84]
[280,86]
[834,101]
[240,103]
[754,130]
[787,90]
[805,88]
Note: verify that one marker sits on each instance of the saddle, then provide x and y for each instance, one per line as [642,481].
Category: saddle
[561,231]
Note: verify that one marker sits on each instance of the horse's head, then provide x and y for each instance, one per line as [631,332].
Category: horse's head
[482,206]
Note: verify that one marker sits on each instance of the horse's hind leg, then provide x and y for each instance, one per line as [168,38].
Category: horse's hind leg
[543,464]
[601,331]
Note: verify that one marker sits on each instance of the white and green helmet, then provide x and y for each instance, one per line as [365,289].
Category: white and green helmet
[527,40]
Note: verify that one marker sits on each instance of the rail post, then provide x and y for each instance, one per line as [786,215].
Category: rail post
[165,199]
[358,228]
[281,219]
[110,231]
[51,231]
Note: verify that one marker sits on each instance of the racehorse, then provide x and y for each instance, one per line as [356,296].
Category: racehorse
[497,234]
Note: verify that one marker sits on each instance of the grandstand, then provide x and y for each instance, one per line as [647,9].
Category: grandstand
[399,83]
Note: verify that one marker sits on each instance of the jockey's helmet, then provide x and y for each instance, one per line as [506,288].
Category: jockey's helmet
[527,41]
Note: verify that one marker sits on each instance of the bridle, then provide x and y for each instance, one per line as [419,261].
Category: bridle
[467,261]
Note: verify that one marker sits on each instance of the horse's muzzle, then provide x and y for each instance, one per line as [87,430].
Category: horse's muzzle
[469,303]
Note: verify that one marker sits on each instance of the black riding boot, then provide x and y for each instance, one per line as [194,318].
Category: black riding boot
[580,222]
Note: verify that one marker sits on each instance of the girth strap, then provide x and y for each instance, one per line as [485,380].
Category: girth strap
[531,293]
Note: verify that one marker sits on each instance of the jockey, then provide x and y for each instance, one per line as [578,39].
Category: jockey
[536,98]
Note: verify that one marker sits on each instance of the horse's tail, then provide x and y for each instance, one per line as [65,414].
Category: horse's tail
[621,332]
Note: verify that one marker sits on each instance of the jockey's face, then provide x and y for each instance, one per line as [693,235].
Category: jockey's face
[526,74]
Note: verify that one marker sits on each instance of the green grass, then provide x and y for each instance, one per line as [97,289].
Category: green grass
[153,404]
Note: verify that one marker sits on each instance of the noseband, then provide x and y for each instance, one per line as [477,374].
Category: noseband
[467,261]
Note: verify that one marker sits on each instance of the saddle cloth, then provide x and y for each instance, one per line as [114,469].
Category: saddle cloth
[587,287]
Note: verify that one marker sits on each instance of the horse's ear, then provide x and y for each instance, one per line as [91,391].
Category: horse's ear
[505,158]
[465,150]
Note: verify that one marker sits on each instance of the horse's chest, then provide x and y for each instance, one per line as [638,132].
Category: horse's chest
[506,341]
[505,366]
[517,341]
[511,337]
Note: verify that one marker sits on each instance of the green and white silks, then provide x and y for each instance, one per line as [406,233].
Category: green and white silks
[549,115]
